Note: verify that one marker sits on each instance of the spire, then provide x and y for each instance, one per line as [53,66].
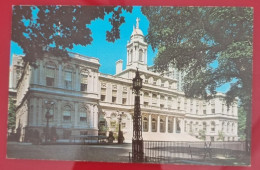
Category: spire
[137,23]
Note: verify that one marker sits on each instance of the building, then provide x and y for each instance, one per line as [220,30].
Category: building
[87,101]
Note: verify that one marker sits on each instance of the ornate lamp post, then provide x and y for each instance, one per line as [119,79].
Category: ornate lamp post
[120,133]
[48,116]
[137,140]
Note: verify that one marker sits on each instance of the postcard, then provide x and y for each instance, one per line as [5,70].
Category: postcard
[131,84]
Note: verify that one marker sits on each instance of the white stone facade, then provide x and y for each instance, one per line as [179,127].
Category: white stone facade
[86,100]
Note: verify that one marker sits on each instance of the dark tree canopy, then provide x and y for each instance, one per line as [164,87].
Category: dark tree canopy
[193,38]
[11,114]
[212,45]
[55,29]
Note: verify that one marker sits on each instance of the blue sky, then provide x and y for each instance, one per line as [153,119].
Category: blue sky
[108,53]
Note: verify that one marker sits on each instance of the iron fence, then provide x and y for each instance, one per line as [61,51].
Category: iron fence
[171,151]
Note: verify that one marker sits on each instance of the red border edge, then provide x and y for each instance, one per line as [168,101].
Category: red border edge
[5,18]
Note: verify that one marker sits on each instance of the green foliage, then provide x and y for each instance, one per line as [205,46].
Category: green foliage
[212,45]
[11,114]
[55,29]
[221,136]
[202,134]
[241,123]
[193,38]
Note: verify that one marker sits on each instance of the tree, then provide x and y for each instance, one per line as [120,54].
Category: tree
[55,29]
[241,123]
[212,45]
[11,114]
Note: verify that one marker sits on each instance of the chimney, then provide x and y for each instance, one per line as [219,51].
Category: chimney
[119,66]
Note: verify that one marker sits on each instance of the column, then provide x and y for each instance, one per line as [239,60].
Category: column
[174,125]
[59,117]
[166,127]
[95,118]
[60,76]
[182,125]
[77,80]
[158,124]
[34,75]
[91,117]
[34,111]
[41,73]
[40,111]
[76,115]
[150,123]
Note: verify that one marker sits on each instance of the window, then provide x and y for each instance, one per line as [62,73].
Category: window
[140,55]
[68,80]
[162,126]
[124,97]
[161,106]
[178,127]
[83,115]
[213,126]
[145,124]
[191,123]
[50,75]
[103,97]
[170,126]
[123,125]
[204,112]
[204,126]
[113,124]
[84,82]
[114,93]
[146,103]
[212,111]
[154,129]
[113,99]
[124,101]
[103,94]
[67,114]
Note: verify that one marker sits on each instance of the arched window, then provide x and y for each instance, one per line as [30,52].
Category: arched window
[141,55]
[83,115]
[145,124]
[162,125]
[213,126]
[68,78]
[84,80]
[50,74]
[154,129]
[67,114]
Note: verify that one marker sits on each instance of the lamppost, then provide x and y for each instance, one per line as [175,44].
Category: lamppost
[120,133]
[48,105]
[137,140]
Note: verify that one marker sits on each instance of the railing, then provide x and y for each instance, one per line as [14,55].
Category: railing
[172,151]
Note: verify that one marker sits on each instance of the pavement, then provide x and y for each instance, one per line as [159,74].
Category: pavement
[97,153]
[100,153]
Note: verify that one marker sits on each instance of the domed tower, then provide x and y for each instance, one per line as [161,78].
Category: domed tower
[137,49]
